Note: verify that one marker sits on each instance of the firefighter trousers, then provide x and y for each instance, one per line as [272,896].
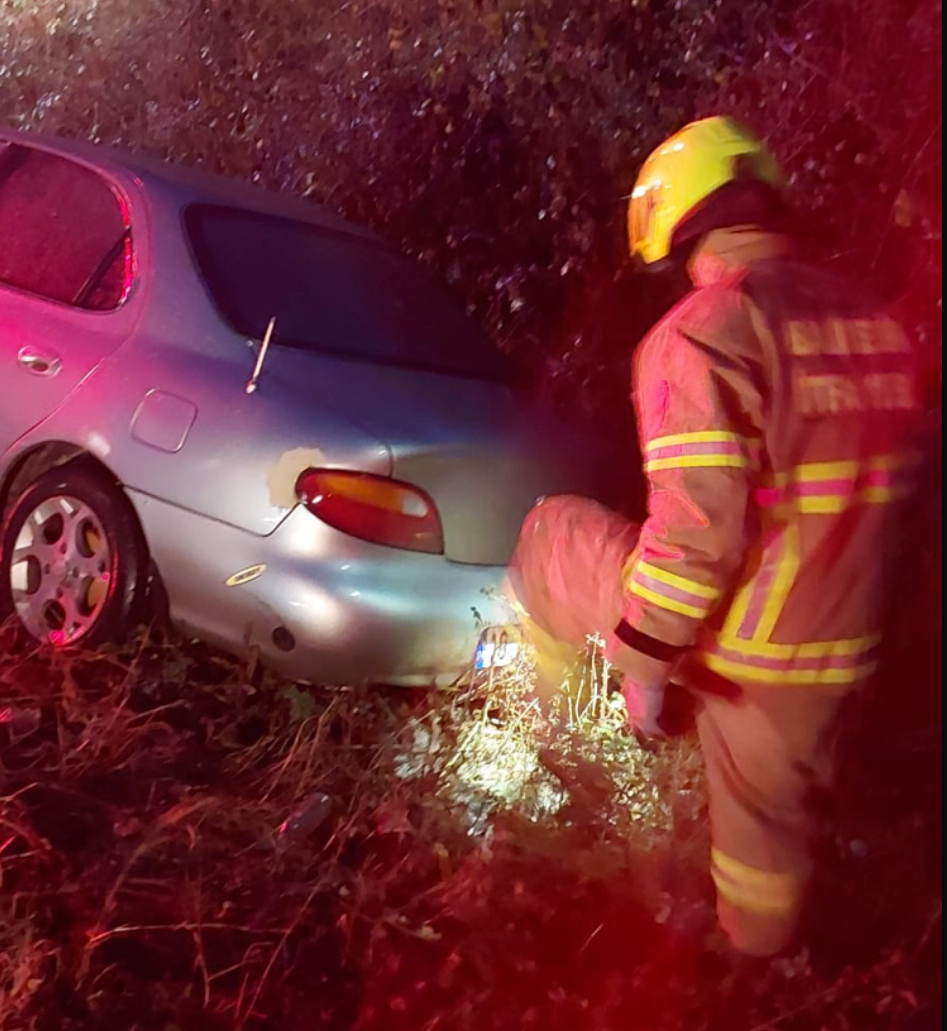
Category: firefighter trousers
[769,754]
[768,749]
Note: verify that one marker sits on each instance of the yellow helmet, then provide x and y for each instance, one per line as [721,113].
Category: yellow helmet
[684,172]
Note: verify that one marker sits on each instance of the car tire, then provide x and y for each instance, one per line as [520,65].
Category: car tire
[72,559]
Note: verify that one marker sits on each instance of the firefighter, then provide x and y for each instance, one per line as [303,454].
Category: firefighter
[775,406]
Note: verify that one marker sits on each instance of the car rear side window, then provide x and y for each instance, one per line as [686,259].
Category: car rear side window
[64,232]
[333,291]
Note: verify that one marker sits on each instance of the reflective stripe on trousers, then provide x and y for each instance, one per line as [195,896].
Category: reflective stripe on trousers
[758,891]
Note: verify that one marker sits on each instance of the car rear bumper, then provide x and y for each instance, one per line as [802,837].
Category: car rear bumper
[321,606]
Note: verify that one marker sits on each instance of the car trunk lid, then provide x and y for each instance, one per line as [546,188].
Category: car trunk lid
[481,450]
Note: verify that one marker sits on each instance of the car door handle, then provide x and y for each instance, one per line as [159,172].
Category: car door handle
[39,362]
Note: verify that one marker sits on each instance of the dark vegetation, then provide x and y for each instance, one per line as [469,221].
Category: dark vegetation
[448,881]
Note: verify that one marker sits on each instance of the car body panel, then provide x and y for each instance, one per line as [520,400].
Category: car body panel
[30,327]
[360,613]
[76,339]
[232,468]
[482,451]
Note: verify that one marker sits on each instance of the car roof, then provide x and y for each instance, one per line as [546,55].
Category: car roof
[187,185]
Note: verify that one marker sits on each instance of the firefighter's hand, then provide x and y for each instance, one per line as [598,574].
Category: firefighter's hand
[645,682]
[644,703]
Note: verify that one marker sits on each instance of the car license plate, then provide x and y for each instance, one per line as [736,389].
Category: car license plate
[499,647]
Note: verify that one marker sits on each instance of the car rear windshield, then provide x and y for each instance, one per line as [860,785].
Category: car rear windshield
[335,292]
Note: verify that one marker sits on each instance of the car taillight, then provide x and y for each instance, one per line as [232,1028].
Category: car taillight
[373,508]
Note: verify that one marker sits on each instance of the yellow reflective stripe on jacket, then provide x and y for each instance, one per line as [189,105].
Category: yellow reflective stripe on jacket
[845,661]
[830,488]
[671,591]
[681,582]
[787,570]
[703,437]
[834,504]
[698,462]
[755,890]
[751,672]
[671,604]
[811,489]
[739,609]
[883,495]
[826,471]
[813,662]
[706,449]
[904,460]
[807,650]
[828,505]
[759,602]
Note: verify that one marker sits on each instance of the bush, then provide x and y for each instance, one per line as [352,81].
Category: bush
[497,139]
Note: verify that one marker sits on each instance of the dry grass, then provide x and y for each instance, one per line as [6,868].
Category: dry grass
[184,846]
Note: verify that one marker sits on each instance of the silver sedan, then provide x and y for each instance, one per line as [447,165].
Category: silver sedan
[258,408]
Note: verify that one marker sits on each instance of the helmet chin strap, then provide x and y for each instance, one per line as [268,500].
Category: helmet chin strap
[675,263]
